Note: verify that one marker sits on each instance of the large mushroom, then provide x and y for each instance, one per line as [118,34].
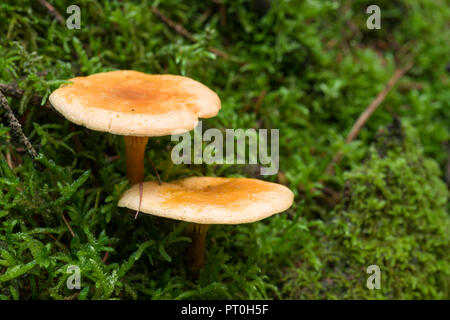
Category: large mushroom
[204,201]
[137,106]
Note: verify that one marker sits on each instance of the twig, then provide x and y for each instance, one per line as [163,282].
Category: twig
[175,26]
[68,225]
[375,103]
[51,9]
[224,55]
[16,128]
[260,100]
[156,171]
[59,244]
[13,90]
[9,160]
[141,187]
[182,31]
[368,112]
[106,255]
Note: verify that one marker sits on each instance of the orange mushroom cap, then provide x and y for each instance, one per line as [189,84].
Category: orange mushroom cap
[210,200]
[134,103]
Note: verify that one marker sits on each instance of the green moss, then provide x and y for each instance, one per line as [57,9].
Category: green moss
[394,216]
[308,68]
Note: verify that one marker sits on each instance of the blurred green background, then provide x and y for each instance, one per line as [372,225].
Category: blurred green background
[308,68]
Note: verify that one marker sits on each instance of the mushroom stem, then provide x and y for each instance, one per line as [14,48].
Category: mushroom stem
[135,150]
[197,248]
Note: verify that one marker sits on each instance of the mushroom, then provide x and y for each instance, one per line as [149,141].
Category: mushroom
[137,106]
[204,201]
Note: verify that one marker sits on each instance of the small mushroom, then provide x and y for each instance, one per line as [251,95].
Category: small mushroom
[204,201]
[137,106]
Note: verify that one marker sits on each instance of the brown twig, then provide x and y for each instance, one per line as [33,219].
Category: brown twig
[183,32]
[68,225]
[260,100]
[51,9]
[59,244]
[368,112]
[9,160]
[222,54]
[156,171]
[106,255]
[175,26]
[16,128]
[375,103]
[141,190]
